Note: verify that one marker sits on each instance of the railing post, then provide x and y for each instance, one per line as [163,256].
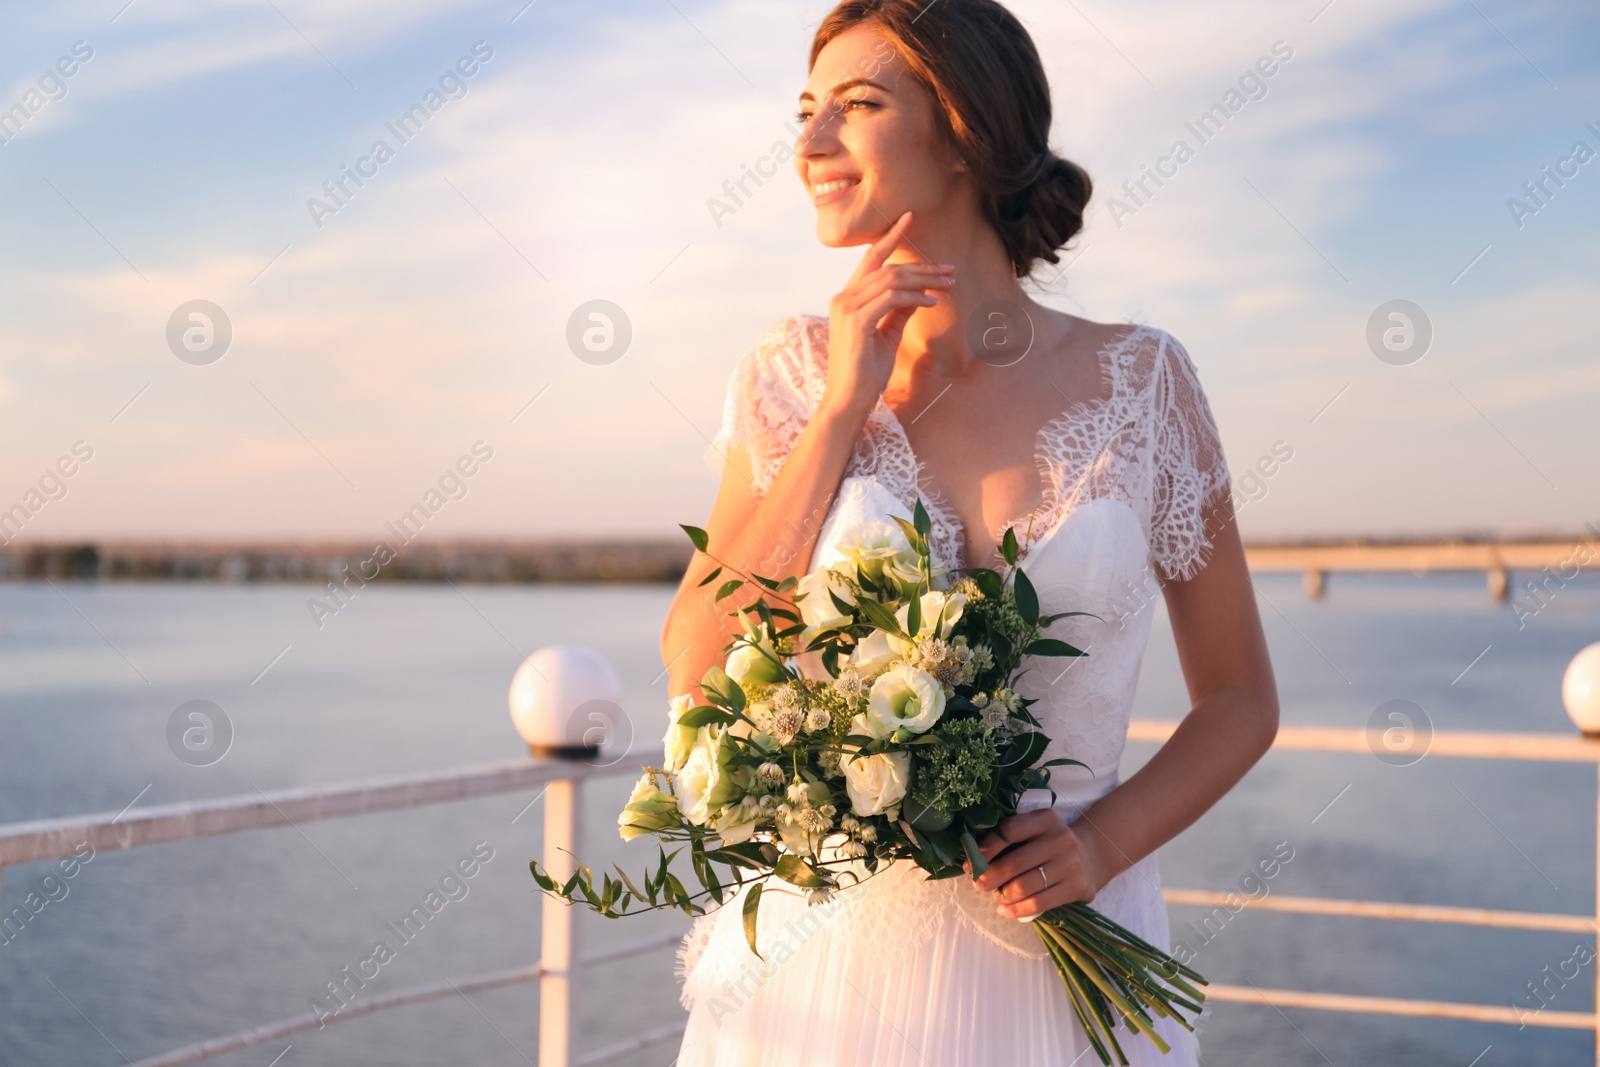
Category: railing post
[558,938]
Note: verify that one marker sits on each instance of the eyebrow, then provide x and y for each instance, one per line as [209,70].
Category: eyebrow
[848,84]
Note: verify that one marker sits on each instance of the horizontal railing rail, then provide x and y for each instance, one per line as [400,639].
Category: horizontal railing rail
[50,839]
[312,1020]
[1564,748]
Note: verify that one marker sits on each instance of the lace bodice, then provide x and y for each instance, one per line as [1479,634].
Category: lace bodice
[1152,444]
[1127,483]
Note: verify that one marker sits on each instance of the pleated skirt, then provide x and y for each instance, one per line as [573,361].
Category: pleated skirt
[901,972]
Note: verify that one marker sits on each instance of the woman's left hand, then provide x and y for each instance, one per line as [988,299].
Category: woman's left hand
[1044,842]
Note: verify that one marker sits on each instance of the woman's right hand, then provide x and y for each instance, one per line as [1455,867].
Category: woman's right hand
[867,318]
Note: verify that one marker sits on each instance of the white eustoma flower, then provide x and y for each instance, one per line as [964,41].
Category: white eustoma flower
[874,546]
[754,666]
[679,740]
[905,696]
[648,809]
[874,654]
[877,783]
[940,612]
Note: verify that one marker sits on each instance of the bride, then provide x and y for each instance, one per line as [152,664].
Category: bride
[935,375]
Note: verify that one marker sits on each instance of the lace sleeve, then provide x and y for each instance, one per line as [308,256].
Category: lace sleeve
[768,403]
[1191,472]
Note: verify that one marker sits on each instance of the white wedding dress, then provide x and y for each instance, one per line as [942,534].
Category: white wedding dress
[899,971]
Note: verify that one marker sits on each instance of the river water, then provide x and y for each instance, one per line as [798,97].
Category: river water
[139,952]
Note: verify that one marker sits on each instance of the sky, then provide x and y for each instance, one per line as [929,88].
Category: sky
[417,324]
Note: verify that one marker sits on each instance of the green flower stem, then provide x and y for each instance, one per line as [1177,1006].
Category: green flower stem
[1135,1016]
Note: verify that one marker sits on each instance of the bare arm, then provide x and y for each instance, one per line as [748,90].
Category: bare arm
[1232,721]
[773,534]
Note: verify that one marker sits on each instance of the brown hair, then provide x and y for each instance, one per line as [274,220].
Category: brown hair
[993,105]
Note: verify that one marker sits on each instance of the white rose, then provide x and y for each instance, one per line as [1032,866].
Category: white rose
[905,696]
[679,740]
[817,608]
[877,783]
[704,782]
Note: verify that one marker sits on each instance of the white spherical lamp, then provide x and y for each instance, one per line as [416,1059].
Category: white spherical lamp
[564,702]
[1580,690]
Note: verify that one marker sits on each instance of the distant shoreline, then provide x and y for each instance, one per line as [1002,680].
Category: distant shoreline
[656,560]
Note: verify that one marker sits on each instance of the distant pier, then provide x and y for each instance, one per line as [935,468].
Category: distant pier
[1547,563]
[1540,564]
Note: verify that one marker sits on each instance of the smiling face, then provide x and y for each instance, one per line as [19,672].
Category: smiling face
[871,147]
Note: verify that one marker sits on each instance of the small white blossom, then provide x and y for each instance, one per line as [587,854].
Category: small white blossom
[813,821]
[786,722]
[769,776]
[849,686]
[818,719]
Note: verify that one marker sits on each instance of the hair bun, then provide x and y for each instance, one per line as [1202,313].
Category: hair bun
[1047,212]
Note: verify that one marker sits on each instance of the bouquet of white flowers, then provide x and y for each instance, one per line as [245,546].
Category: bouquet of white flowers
[867,714]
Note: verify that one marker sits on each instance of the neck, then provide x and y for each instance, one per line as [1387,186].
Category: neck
[934,344]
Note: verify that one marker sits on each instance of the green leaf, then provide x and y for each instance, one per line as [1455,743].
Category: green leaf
[974,854]
[546,883]
[913,537]
[722,690]
[708,579]
[923,817]
[920,519]
[914,615]
[881,617]
[1027,599]
[1049,646]
[796,871]
[1009,547]
[706,715]
[697,535]
[729,587]
[752,903]
[1046,620]
[788,584]
[990,584]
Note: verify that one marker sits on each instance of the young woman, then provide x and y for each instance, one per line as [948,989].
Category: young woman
[935,375]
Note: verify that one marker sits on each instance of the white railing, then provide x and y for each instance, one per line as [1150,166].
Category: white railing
[1559,748]
[560,956]
[559,962]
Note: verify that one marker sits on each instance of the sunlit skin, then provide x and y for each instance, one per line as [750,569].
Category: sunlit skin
[896,330]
